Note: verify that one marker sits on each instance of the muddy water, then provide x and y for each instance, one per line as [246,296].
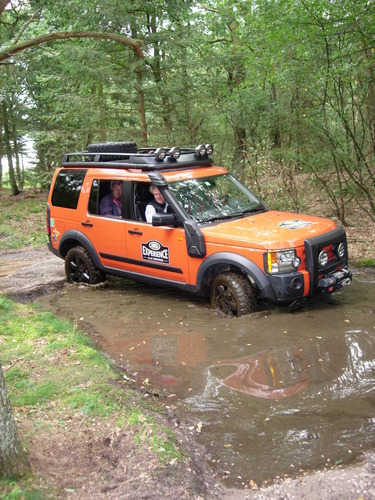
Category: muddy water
[271,394]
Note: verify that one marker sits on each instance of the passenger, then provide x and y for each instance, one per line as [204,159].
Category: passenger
[111,204]
[156,206]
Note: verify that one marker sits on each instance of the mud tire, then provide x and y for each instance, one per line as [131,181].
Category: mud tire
[80,267]
[233,294]
[112,147]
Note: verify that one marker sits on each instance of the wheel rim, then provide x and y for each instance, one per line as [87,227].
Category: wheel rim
[226,300]
[78,270]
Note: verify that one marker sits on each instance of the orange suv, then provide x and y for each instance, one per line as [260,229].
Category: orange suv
[207,233]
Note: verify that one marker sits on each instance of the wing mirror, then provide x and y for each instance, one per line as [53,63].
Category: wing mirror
[164,220]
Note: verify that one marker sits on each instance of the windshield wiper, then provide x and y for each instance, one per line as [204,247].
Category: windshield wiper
[254,210]
[235,214]
[223,217]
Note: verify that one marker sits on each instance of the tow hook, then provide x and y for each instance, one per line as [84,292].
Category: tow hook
[345,282]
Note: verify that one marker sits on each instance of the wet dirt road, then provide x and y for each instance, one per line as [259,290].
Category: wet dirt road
[270,394]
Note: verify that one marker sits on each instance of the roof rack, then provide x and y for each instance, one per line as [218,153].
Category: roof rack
[144,159]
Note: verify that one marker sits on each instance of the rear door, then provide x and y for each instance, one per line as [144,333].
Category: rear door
[106,234]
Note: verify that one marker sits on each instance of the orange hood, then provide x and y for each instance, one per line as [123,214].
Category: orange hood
[269,230]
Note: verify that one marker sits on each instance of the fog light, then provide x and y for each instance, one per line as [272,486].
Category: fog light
[323,258]
[296,283]
[340,251]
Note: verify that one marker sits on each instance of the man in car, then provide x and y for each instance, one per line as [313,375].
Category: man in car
[111,204]
[156,206]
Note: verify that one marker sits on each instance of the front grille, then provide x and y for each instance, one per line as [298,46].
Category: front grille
[313,246]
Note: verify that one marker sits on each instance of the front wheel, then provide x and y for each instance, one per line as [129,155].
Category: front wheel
[80,267]
[233,294]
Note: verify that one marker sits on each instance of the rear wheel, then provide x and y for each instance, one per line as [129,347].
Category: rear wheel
[233,294]
[80,267]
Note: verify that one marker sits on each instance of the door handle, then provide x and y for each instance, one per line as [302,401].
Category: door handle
[132,231]
[87,224]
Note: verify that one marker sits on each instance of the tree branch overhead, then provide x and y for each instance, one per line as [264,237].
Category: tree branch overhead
[8,52]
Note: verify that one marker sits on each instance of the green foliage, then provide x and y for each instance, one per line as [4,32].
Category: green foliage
[293,79]
[366,262]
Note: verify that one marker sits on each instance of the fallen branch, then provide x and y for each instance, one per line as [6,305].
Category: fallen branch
[6,368]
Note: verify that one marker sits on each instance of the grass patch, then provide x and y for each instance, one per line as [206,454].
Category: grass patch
[365,262]
[54,374]
[23,219]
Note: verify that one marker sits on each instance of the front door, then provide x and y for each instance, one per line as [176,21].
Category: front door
[159,252]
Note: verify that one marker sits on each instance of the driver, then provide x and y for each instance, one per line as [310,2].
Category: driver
[156,206]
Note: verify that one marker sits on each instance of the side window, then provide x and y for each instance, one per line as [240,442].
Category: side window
[142,196]
[67,188]
[94,198]
[106,198]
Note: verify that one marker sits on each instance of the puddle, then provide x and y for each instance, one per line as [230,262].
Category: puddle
[271,394]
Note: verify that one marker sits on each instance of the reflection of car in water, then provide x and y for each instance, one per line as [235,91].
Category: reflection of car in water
[274,374]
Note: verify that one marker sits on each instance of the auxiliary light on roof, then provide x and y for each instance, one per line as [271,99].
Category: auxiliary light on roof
[160,154]
[204,150]
[174,153]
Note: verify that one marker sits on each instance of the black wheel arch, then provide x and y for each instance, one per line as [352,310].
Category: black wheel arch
[227,261]
[74,238]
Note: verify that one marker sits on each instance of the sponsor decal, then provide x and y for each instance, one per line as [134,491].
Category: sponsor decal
[55,235]
[295,224]
[155,251]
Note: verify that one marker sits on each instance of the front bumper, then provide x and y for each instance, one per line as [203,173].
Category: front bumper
[333,281]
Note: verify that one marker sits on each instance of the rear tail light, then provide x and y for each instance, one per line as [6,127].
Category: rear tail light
[48,221]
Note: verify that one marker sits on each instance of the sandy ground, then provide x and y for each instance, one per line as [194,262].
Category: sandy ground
[110,466]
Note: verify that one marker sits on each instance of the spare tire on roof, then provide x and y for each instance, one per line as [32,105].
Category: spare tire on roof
[112,147]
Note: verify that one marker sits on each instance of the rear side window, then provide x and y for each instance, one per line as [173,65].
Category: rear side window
[67,188]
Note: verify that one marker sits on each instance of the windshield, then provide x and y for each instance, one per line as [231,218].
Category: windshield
[215,198]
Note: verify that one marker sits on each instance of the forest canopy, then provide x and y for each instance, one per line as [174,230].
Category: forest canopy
[279,86]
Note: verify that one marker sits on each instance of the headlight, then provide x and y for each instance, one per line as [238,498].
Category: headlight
[282,261]
[209,149]
[323,258]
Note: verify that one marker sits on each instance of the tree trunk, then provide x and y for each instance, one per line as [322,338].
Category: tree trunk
[13,460]
[155,65]
[16,150]
[7,139]
[102,115]
[140,93]
[239,155]
[275,132]
[3,4]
